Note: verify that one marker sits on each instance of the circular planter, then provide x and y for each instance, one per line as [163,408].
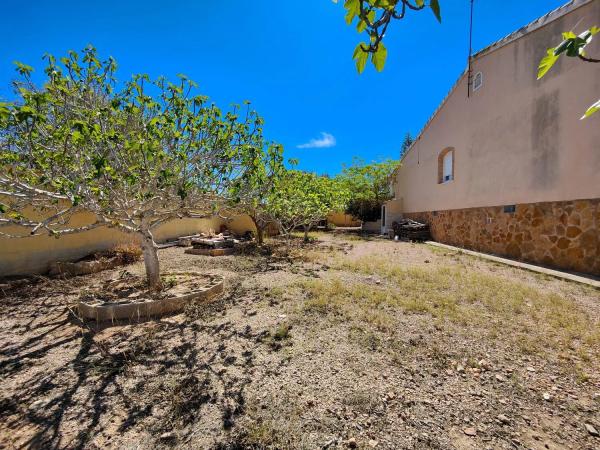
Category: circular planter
[133,309]
[210,251]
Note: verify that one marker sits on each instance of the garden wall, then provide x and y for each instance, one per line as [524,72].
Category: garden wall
[563,234]
[340,219]
[372,227]
[33,254]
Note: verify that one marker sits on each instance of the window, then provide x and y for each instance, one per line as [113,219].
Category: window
[477,81]
[383,216]
[446,165]
[510,209]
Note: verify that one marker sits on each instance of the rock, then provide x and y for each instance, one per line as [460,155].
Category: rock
[500,378]
[503,419]
[470,431]
[38,404]
[590,429]
[377,281]
[167,436]
[427,261]
[485,364]
[530,369]
[546,396]
[373,443]
[329,443]
[351,443]
[460,368]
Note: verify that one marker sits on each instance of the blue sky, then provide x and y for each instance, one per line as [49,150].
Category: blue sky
[291,59]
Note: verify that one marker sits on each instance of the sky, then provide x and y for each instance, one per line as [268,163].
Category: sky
[292,60]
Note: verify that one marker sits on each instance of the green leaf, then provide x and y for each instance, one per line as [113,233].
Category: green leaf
[591,110]
[546,63]
[435,7]
[23,69]
[361,26]
[3,208]
[420,3]
[352,10]
[560,48]
[4,111]
[378,58]
[360,56]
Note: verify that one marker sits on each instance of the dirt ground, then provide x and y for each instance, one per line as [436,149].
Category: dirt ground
[346,342]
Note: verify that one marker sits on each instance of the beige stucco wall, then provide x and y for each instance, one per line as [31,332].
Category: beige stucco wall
[393,211]
[516,139]
[240,224]
[340,219]
[30,255]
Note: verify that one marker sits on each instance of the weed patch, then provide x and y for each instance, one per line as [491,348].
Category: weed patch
[534,320]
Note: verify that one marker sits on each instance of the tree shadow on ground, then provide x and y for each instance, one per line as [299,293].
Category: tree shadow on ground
[67,381]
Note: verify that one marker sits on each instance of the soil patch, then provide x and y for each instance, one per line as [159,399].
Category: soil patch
[342,342]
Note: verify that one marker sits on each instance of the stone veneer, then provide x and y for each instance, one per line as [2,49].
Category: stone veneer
[564,235]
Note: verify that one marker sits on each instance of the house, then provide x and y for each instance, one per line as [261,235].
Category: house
[505,165]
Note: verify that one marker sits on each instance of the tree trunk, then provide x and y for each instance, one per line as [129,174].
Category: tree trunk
[151,262]
[306,229]
[259,231]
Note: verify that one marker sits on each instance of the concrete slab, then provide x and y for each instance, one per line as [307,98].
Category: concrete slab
[590,280]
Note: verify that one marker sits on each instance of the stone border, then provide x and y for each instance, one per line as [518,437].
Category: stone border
[136,310]
[588,279]
[210,251]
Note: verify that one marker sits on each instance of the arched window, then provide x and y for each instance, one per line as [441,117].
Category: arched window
[477,81]
[446,165]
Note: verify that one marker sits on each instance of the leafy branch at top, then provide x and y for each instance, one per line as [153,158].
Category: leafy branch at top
[574,46]
[373,18]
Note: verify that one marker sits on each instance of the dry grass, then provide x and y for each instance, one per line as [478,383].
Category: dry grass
[536,321]
[127,252]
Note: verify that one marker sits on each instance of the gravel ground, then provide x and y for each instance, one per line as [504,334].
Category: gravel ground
[346,342]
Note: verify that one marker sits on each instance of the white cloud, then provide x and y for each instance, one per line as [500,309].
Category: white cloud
[326,140]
